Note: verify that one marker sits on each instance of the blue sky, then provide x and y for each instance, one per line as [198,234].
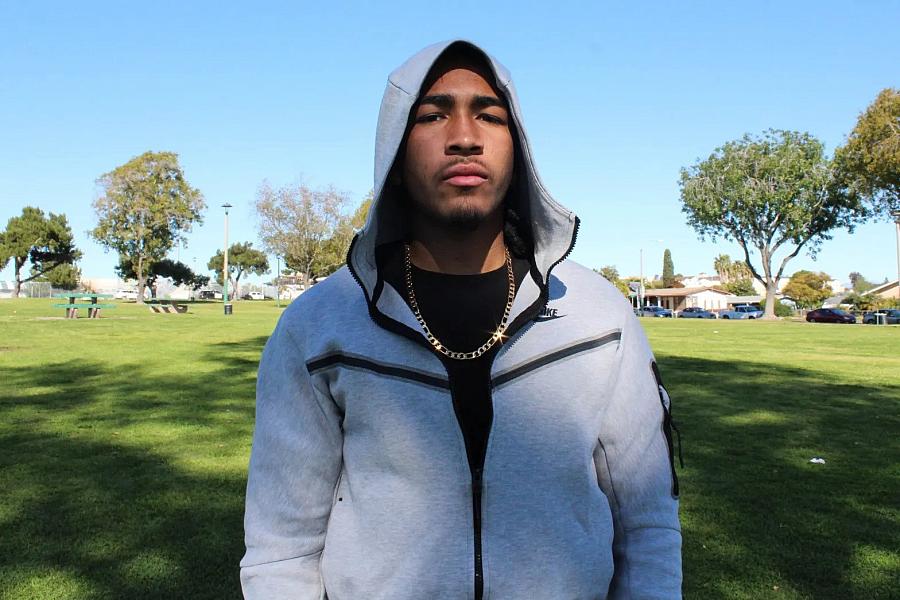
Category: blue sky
[616,96]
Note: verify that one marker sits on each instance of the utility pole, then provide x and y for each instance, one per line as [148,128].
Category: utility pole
[225,303]
[278,283]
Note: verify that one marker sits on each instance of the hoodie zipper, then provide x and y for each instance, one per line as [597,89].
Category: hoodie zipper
[476,521]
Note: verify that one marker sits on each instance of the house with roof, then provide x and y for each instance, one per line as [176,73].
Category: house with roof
[886,291]
[677,299]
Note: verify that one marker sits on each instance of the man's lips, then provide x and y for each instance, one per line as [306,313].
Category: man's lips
[465,175]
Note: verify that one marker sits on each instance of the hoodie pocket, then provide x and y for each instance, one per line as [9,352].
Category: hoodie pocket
[668,426]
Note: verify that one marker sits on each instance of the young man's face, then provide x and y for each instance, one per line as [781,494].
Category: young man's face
[459,152]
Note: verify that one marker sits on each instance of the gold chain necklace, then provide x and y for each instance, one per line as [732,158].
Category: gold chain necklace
[435,343]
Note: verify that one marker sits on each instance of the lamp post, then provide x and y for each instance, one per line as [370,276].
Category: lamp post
[278,282]
[641,287]
[896,215]
[225,303]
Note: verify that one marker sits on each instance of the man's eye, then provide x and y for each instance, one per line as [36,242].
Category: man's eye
[429,118]
[492,119]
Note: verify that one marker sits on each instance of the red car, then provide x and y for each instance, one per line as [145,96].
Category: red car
[830,315]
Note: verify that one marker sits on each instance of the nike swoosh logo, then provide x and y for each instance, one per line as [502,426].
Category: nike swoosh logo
[549,318]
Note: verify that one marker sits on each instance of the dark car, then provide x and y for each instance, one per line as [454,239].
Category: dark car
[830,315]
[695,312]
[890,316]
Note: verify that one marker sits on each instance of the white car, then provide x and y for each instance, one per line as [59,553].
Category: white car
[257,296]
[125,295]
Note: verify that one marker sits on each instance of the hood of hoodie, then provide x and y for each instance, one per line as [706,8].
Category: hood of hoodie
[553,227]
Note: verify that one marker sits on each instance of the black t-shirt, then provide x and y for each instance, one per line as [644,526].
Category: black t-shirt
[462,311]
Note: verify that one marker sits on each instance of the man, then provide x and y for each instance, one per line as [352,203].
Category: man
[460,412]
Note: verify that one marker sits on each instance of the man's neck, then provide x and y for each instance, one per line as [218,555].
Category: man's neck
[438,249]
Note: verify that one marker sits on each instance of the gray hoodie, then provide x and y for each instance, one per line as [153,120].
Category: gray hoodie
[359,484]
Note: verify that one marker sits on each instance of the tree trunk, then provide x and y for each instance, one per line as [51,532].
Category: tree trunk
[141,280]
[19,264]
[142,285]
[771,288]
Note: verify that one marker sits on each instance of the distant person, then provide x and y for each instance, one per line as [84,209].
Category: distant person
[461,412]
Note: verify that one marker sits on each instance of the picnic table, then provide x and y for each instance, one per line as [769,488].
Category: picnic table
[87,301]
[158,305]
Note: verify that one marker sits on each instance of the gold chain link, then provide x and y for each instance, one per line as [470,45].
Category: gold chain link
[435,343]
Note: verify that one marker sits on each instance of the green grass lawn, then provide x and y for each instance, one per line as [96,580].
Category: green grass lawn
[125,442]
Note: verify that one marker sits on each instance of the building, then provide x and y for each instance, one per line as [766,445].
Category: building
[886,291]
[677,299]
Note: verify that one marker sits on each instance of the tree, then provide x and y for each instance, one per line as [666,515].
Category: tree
[808,289]
[44,241]
[768,193]
[242,258]
[668,272]
[146,207]
[63,277]
[307,227]
[178,272]
[859,283]
[740,287]
[869,163]
[611,274]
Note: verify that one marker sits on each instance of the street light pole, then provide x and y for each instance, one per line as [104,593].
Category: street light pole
[641,288]
[225,303]
[896,215]
[278,283]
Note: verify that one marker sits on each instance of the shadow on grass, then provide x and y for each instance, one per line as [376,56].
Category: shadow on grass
[760,520]
[110,481]
[86,508]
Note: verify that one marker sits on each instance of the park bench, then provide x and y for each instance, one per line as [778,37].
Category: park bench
[166,306]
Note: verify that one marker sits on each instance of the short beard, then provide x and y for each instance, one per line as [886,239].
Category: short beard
[463,219]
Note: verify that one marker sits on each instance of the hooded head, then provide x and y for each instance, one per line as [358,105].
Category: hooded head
[535,224]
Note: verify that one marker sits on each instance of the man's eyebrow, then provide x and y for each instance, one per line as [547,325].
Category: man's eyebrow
[480,102]
[446,101]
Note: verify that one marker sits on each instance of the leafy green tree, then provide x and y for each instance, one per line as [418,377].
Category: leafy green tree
[44,241]
[771,193]
[869,163]
[63,277]
[611,274]
[859,283]
[146,207]
[668,272]
[242,258]
[740,287]
[808,289]
[178,272]
[308,227]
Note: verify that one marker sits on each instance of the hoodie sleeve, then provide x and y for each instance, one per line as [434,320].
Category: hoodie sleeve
[636,472]
[294,467]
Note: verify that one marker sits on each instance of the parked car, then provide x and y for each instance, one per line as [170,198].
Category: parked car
[742,311]
[209,295]
[654,311]
[253,296]
[695,312]
[125,295]
[891,316]
[830,315]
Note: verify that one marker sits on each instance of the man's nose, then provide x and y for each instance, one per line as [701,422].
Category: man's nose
[464,137]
